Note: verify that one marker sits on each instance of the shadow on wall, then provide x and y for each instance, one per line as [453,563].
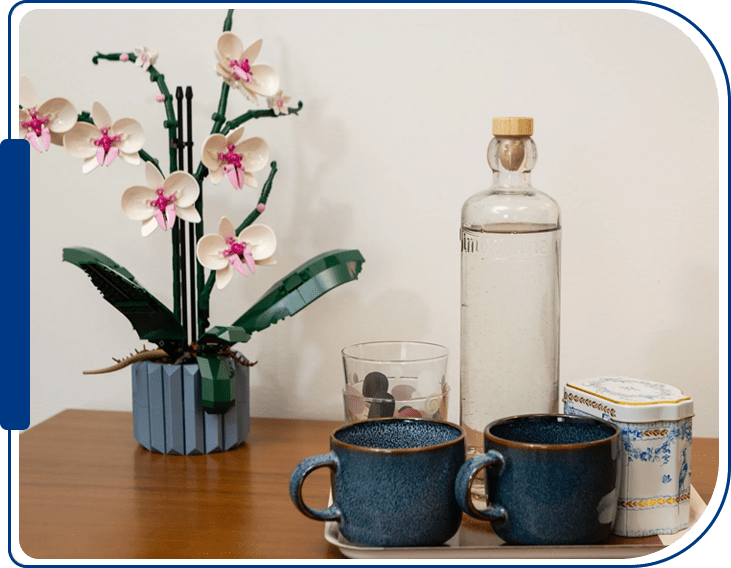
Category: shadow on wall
[320,144]
[314,350]
[323,141]
[688,348]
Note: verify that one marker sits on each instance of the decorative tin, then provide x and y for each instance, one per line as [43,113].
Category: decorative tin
[656,424]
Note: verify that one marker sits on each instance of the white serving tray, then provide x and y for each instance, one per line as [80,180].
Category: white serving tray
[475,539]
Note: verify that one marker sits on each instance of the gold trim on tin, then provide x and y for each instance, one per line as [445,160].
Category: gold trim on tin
[661,433]
[590,403]
[628,403]
[655,502]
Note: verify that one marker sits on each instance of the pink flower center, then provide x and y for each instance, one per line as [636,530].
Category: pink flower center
[144,58]
[231,158]
[242,70]
[162,200]
[36,122]
[234,247]
[280,103]
[106,141]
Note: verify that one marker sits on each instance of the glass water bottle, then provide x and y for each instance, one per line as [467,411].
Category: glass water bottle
[511,245]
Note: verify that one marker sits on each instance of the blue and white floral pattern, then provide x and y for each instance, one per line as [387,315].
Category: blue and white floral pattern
[684,473]
[672,431]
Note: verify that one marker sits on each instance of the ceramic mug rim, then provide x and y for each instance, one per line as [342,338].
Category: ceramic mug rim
[444,355]
[395,451]
[551,447]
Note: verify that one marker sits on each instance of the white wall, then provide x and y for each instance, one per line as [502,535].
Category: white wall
[391,141]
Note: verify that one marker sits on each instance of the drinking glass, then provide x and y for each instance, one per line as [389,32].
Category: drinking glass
[395,378]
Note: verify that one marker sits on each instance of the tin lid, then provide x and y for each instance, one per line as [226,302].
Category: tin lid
[629,400]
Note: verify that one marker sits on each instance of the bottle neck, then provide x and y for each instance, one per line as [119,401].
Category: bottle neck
[511,159]
[506,180]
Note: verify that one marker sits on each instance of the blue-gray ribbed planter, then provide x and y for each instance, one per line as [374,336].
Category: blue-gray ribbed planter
[168,416]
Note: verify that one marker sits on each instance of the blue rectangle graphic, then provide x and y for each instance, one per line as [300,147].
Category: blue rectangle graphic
[15,382]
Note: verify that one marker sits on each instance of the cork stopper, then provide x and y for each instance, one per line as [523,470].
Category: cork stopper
[512,126]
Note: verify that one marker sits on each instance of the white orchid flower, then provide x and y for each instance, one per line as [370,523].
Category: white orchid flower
[46,124]
[226,253]
[145,57]
[102,142]
[237,68]
[225,155]
[278,103]
[162,200]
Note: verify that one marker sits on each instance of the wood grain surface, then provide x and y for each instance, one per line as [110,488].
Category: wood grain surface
[89,490]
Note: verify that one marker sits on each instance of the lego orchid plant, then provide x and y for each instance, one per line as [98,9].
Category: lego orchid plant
[174,204]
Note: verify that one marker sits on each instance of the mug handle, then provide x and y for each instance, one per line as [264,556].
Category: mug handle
[300,473]
[463,486]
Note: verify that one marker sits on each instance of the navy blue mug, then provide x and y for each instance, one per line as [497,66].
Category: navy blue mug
[392,481]
[551,479]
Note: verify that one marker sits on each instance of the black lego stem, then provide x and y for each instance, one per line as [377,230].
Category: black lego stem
[195,230]
[189,118]
[179,223]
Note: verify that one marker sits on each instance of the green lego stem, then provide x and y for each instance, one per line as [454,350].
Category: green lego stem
[176,271]
[219,117]
[199,270]
[85,116]
[220,126]
[200,173]
[147,158]
[111,57]
[171,124]
[251,114]
[228,22]
[199,285]
[156,77]
[204,296]
[262,199]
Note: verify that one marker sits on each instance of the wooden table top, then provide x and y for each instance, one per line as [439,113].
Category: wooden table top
[89,490]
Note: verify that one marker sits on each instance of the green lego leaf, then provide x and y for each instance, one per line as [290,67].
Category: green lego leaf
[217,385]
[301,287]
[150,318]
[225,335]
